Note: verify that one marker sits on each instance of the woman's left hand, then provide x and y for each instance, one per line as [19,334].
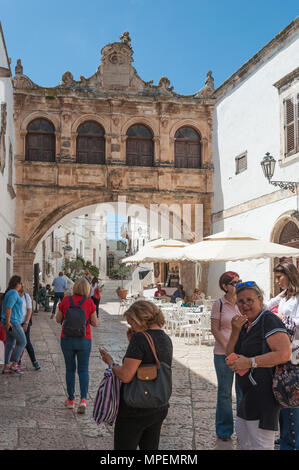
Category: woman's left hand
[240,364]
[106,356]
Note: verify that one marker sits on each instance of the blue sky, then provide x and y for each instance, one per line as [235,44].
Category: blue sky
[178,39]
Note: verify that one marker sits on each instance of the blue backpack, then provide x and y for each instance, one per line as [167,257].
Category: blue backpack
[75,324]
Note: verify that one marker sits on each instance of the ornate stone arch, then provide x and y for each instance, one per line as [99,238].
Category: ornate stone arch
[286,225]
[40,115]
[152,125]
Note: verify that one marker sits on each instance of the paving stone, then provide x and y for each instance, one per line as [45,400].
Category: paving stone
[33,415]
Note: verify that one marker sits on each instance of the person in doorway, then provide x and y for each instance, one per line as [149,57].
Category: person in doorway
[60,286]
[287,304]
[95,293]
[77,348]
[223,310]
[139,427]
[26,324]
[11,317]
[260,341]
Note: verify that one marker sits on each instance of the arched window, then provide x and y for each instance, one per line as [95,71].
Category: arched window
[187,148]
[90,144]
[140,146]
[40,141]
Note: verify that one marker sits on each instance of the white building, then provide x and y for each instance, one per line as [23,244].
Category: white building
[7,175]
[257,112]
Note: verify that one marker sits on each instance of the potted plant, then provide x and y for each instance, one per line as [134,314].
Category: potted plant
[121,271]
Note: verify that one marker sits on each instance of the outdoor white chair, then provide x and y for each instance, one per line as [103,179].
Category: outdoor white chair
[191,331]
[176,320]
[205,328]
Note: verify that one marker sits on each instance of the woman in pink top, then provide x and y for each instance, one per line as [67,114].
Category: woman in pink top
[223,311]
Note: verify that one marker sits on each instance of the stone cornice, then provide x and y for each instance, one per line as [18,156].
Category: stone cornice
[287,79]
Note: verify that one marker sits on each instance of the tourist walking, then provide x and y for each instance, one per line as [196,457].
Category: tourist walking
[260,340]
[76,313]
[95,293]
[11,317]
[287,277]
[60,286]
[26,324]
[223,311]
[140,426]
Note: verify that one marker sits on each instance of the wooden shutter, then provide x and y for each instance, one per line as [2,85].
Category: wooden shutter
[140,152]
[289,113]
[91,150]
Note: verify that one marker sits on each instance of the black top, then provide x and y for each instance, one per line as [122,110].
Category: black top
[258,401]
[140,349]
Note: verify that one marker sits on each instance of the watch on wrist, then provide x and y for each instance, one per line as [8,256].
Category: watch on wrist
[253,363]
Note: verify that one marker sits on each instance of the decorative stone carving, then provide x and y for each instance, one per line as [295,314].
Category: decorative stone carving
[19,68]
[67,78]
[164,84]
[3,108]
[125,38]
[208,89]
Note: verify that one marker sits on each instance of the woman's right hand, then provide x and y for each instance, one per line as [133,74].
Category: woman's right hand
[237,322]
[8,326]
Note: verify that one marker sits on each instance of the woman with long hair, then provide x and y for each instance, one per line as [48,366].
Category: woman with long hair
[287,277]
[11,317]
[223,310]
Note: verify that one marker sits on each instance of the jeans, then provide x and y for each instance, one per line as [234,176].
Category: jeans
[15,342]
[224,411]
[57,296]
[289,429]
[143,431]
[79,348]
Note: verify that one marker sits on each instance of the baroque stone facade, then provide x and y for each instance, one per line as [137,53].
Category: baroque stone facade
[115,98]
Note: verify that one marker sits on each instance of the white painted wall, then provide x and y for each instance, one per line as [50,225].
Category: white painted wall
[7,204]
[247,118]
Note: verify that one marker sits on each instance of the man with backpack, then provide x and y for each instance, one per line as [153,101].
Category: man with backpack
[76,314]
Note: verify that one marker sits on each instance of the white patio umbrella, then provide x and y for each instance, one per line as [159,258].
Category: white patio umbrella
[159,250]
[232,245]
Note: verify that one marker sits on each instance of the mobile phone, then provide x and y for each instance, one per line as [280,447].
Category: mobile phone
[233,357]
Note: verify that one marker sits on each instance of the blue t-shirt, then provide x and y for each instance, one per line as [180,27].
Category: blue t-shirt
[59,284]
[12,300]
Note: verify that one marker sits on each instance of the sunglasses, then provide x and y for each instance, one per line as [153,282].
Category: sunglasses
[245,284]
[234,283]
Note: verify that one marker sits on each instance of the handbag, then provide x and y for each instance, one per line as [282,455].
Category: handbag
[285,382]
[107,399]
[152,385]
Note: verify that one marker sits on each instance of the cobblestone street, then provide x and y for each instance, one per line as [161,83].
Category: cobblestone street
[33,415]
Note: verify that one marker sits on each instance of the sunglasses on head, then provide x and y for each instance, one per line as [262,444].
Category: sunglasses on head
[245,284]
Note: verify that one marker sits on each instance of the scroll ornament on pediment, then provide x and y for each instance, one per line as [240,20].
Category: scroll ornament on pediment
[164,85]
[208,89]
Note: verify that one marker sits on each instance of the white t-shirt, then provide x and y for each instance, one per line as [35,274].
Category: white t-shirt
[288,308]
[26,304]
